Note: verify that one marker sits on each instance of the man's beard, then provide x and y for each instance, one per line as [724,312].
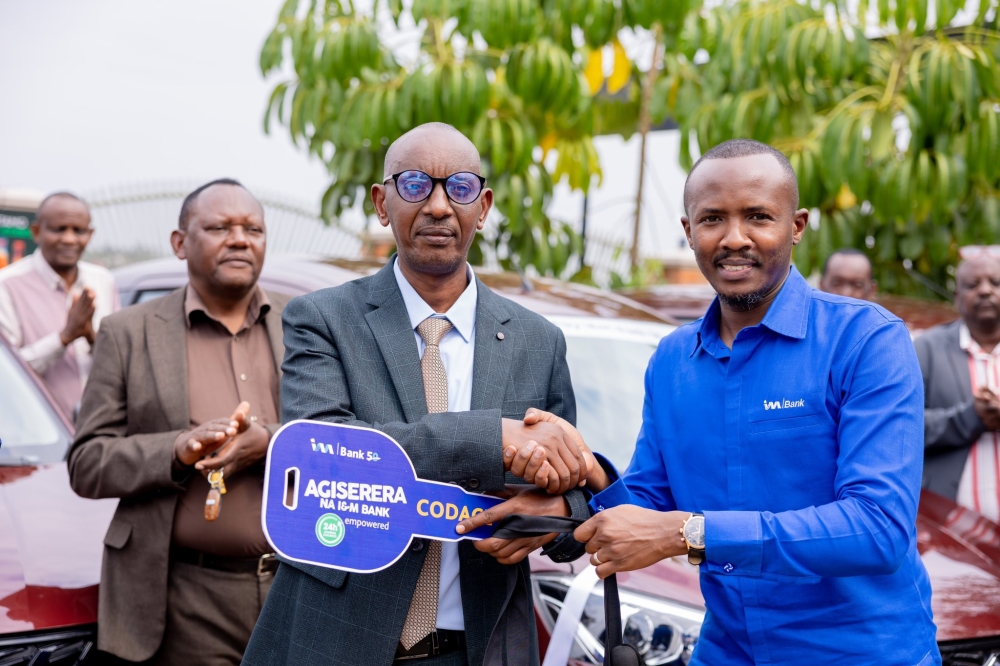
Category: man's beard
[744,302]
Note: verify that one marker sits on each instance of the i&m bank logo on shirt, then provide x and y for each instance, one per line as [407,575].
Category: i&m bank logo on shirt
[784,404]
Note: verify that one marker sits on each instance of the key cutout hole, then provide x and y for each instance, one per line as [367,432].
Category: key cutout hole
[291,500]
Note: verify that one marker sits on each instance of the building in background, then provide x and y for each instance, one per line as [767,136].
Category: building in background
[17,211]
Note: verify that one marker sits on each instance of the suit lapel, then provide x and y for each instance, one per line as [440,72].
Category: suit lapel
[390,324]
[494,350]
[166,344]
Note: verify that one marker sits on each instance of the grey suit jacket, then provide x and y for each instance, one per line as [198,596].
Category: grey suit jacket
[134,406]
[951,424]
[351,357]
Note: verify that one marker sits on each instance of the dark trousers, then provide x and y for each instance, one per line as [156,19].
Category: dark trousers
[210,615]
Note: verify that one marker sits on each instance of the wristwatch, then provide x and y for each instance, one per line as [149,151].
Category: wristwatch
[693,531]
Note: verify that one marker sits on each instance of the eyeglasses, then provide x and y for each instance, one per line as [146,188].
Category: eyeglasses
[414,186]
[970,251]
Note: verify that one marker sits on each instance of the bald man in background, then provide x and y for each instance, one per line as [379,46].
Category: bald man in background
[51,303]
[848,272]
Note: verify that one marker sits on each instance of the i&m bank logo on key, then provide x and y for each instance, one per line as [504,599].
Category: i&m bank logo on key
[356,504]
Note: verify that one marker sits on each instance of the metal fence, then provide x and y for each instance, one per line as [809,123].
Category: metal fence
[133,222]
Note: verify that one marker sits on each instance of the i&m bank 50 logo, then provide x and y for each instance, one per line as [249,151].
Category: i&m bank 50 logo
[367,478]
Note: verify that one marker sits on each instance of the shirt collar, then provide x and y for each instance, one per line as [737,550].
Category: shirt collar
[462,314]
[969,345]
[788,314]
[965,340]
[52,279]
[256,309]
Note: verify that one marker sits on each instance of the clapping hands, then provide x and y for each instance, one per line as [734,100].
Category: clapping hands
[988,408]
[232,443]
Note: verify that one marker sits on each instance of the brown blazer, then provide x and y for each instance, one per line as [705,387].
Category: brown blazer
[134,406]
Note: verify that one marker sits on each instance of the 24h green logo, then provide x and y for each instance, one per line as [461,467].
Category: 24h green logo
[330,529]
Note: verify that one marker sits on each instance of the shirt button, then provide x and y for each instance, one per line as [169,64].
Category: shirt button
[473,483]
[728,568]
[417,546]
[243,378]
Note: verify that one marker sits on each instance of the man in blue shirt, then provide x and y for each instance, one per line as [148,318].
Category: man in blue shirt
[793,421]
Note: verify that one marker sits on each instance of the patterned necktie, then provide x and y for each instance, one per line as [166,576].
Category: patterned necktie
[422,616]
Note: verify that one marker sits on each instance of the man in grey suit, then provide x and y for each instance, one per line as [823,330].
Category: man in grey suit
[424,352]
[181,385]
[960,363]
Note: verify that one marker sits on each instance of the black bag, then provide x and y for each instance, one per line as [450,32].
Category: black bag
[616,651]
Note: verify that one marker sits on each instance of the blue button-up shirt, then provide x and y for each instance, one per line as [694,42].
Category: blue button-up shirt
[803,447]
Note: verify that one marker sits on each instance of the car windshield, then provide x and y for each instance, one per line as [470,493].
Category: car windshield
[30,431]
[607,362]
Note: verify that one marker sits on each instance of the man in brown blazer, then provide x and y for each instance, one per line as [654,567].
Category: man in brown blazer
[182,388]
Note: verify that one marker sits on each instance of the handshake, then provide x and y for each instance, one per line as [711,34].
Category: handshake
[548,452]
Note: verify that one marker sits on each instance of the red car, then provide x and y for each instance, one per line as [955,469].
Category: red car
[50,539]
[609,342]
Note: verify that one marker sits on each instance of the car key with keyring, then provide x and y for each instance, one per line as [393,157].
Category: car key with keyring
[213,501]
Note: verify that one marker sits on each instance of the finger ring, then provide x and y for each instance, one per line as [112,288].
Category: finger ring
[595,560]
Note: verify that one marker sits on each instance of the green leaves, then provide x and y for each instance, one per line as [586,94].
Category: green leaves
[506,72]
[895,141]
[503,23]
[543,75]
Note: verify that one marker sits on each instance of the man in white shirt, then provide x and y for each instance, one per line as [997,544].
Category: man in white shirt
[51,303]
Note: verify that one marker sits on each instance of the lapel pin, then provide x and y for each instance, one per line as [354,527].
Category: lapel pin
[499,336]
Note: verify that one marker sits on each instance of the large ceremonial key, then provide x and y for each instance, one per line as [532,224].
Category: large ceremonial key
[347,498]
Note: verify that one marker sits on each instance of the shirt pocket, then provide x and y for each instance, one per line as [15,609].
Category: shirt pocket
[785,423]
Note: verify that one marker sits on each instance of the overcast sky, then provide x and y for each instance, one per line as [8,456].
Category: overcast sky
[107,92]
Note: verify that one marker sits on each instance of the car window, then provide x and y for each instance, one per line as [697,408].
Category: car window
[607,362]
[30,431]
[608,383]
[150,294]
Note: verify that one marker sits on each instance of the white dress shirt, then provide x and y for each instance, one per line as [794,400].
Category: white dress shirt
[458,348]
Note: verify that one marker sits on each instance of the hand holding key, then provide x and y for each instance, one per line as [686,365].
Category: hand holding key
[245,448]
[191,446]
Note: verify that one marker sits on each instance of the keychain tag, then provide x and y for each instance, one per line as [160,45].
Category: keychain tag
[213,501]
[348,498]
